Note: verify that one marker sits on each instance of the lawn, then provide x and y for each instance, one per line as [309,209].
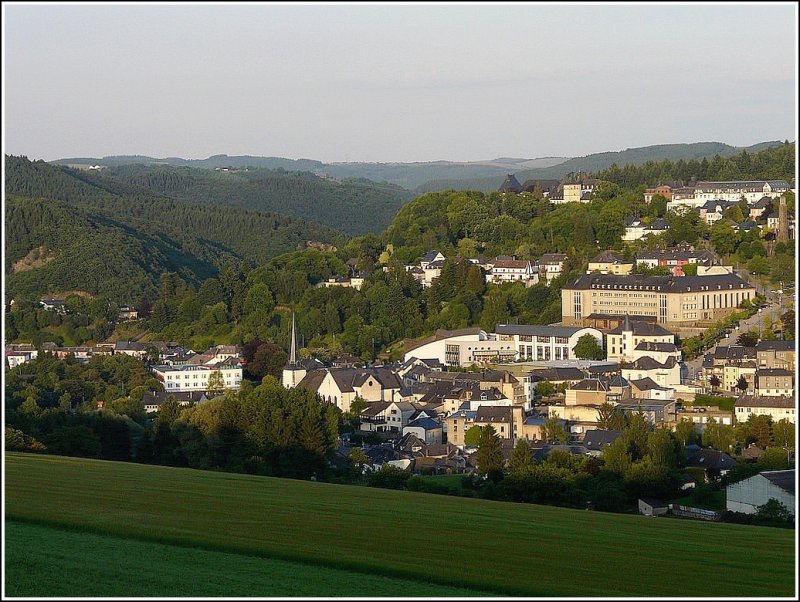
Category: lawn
[118,567]
[512,549]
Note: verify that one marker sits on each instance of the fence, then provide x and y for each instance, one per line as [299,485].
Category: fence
[691,512]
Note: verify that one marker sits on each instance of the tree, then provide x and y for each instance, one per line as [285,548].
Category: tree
[747,339]
[714,382]
[783,433]
[605,415]
[545,388]
[472,436]
[216,383]
[359,458]
[587,348]
[742,383]
[724,238]
[773,513]
[685,432]
[490,452]
[758,265]
[521,459]
[774,458]
[553,430]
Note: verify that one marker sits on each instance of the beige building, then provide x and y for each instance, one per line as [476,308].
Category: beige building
[672,300]
[774,382]
[775,407]
[609,262]
[775,354]
[590,391]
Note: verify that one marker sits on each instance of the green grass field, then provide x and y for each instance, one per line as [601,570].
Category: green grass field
[115,566]
[504,548]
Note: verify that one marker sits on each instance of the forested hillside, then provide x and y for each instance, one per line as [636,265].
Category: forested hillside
[629,158]
[111,241]
[355,206]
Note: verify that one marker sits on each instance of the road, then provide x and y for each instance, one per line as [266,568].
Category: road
[754,322]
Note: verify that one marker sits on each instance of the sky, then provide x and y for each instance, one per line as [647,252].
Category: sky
[393,82]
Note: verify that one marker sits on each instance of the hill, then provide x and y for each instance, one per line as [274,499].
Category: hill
[599,161]
[113,238]
[512,549]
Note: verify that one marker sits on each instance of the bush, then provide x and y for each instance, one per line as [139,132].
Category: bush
[389,477]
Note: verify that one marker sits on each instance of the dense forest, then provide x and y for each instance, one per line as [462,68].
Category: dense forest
[355,206]
[112,241]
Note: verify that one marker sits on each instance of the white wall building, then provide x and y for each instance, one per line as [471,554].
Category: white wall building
[195,378]
[462,347]
[544,343]
[747,495]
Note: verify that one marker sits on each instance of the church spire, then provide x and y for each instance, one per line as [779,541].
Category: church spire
[294,358]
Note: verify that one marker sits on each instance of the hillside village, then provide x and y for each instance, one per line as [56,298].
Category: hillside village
[567,387]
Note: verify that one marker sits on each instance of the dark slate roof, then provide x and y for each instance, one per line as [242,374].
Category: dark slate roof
[781,478]
[659,224]
[647,384]
[711,459]
[654,502]
[557,374]
[648,329]
[774,372]
[752,401]
[666,284]
[589,384]
[648,363]
[775,345]
[597,439]
[375,408]
[609,256]
[430,255]
[618,381]
[312,380]
[425,423]
[511,184]
[552,258]
[493,414]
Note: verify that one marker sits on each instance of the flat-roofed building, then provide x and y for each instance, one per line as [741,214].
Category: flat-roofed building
[544,343]
[461,348]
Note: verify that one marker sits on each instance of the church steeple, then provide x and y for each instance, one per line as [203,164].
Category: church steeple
[294,358]
[294,371]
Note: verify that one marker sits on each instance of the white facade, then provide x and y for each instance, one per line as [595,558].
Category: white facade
[195,378]
[747,495]
[544,343]
[463,350]
[734,191]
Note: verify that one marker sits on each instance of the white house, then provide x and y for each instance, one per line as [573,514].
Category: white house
[340,386]
[512,270]
[775,407]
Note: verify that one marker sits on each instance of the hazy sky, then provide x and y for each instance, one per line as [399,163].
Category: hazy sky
[397,82]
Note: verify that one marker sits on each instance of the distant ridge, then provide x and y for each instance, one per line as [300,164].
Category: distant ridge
[431,176]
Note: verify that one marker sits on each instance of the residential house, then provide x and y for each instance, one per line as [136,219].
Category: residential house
[610,262]
[589,391]
[774,382]
[776,408]
[633,339]
[775,354]
[20,354]
[551,265]
[711,211]
[596,440]
[387,416]
[760,208]
[715,464]
[340,386]
[512,270]
[656,411]
[425,429]
[667,374]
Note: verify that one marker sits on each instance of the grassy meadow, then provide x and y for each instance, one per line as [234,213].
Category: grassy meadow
[120,567]
[496,547]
